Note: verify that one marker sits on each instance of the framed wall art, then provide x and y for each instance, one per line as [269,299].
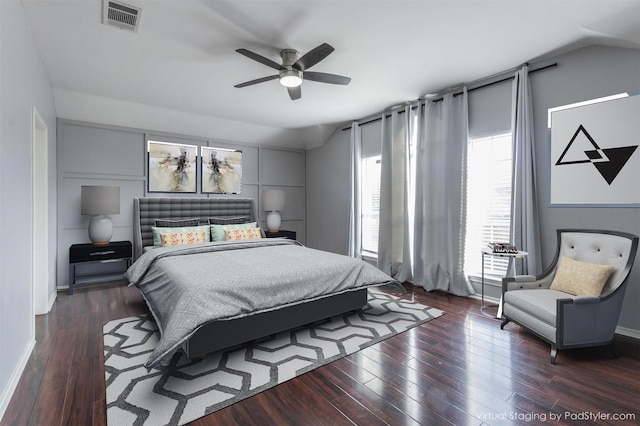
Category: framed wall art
[595,160]
[172,167]
[221,170]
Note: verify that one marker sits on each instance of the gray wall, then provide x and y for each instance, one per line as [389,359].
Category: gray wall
[328,194]
[328,187]
[23,85]
[94,154]
[583,74]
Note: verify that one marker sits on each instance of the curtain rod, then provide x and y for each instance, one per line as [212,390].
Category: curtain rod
[555,64]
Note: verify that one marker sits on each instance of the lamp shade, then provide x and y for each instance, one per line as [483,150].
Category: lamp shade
[273,200]
[97,200]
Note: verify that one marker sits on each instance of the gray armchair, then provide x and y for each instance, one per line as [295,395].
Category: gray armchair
[563,319]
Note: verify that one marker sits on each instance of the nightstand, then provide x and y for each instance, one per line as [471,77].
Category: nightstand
[281,234]
[116,251]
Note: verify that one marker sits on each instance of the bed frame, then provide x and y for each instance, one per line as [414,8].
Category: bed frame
[217,335]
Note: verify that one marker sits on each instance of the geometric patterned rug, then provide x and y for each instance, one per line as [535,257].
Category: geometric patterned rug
[187,390]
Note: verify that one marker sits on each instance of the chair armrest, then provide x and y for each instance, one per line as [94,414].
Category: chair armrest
[520,282]
[585,320]
[524,278]
[585,300]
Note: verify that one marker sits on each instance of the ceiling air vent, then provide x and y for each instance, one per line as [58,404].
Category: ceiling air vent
[121,15]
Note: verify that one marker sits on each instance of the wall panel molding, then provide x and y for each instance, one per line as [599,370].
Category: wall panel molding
[96,154]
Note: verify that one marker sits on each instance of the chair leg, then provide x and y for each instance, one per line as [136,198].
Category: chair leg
[505,322]
[554,353]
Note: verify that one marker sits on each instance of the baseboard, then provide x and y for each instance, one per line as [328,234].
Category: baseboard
[7,392]
[489,299]
[52,299]
[629,332]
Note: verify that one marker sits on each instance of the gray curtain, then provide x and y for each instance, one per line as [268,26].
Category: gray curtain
[440,194]
[355,221]
[394,254]
[525,228]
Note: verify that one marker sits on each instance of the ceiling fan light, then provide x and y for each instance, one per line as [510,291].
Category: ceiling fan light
[291,78]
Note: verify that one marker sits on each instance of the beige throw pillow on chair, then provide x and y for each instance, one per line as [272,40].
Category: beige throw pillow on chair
[581,278]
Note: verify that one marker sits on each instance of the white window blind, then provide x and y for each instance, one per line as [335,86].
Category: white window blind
[370,197]
[488,202]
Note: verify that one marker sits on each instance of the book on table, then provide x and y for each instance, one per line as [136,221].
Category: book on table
[503,248]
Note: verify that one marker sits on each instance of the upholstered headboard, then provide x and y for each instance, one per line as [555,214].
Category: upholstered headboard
[147,210]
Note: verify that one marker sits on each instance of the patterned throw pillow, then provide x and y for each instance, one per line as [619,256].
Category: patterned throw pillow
[169,239]
[217,231]
[242,234]
[580,278]
[157,242]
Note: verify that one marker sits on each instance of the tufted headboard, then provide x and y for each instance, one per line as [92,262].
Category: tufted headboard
[147,210]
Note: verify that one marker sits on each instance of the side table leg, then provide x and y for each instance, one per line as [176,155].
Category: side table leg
[482,294]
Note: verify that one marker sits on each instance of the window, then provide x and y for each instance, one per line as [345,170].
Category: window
[370,208]
[488,202]
[370,176]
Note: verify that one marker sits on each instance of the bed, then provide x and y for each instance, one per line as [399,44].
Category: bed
[214,295]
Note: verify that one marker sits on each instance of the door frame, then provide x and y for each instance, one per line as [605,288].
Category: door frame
[39,214]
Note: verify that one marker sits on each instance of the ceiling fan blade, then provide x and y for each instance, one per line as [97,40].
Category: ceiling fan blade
[294,92]
[325,78]
[313,56]
[256,81]
[252,55]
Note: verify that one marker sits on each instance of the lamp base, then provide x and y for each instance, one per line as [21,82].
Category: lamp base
[273,221]
[100,230]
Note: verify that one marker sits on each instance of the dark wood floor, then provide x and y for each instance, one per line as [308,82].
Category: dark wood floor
[458,369]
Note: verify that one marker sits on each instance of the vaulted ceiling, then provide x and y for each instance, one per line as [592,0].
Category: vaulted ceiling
[183,55]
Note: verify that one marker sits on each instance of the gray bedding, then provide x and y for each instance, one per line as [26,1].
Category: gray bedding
[187,286]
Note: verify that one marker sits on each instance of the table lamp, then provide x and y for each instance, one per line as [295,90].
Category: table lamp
[98,202]
[273,202]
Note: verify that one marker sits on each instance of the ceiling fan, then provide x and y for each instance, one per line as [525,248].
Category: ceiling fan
[294,69]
